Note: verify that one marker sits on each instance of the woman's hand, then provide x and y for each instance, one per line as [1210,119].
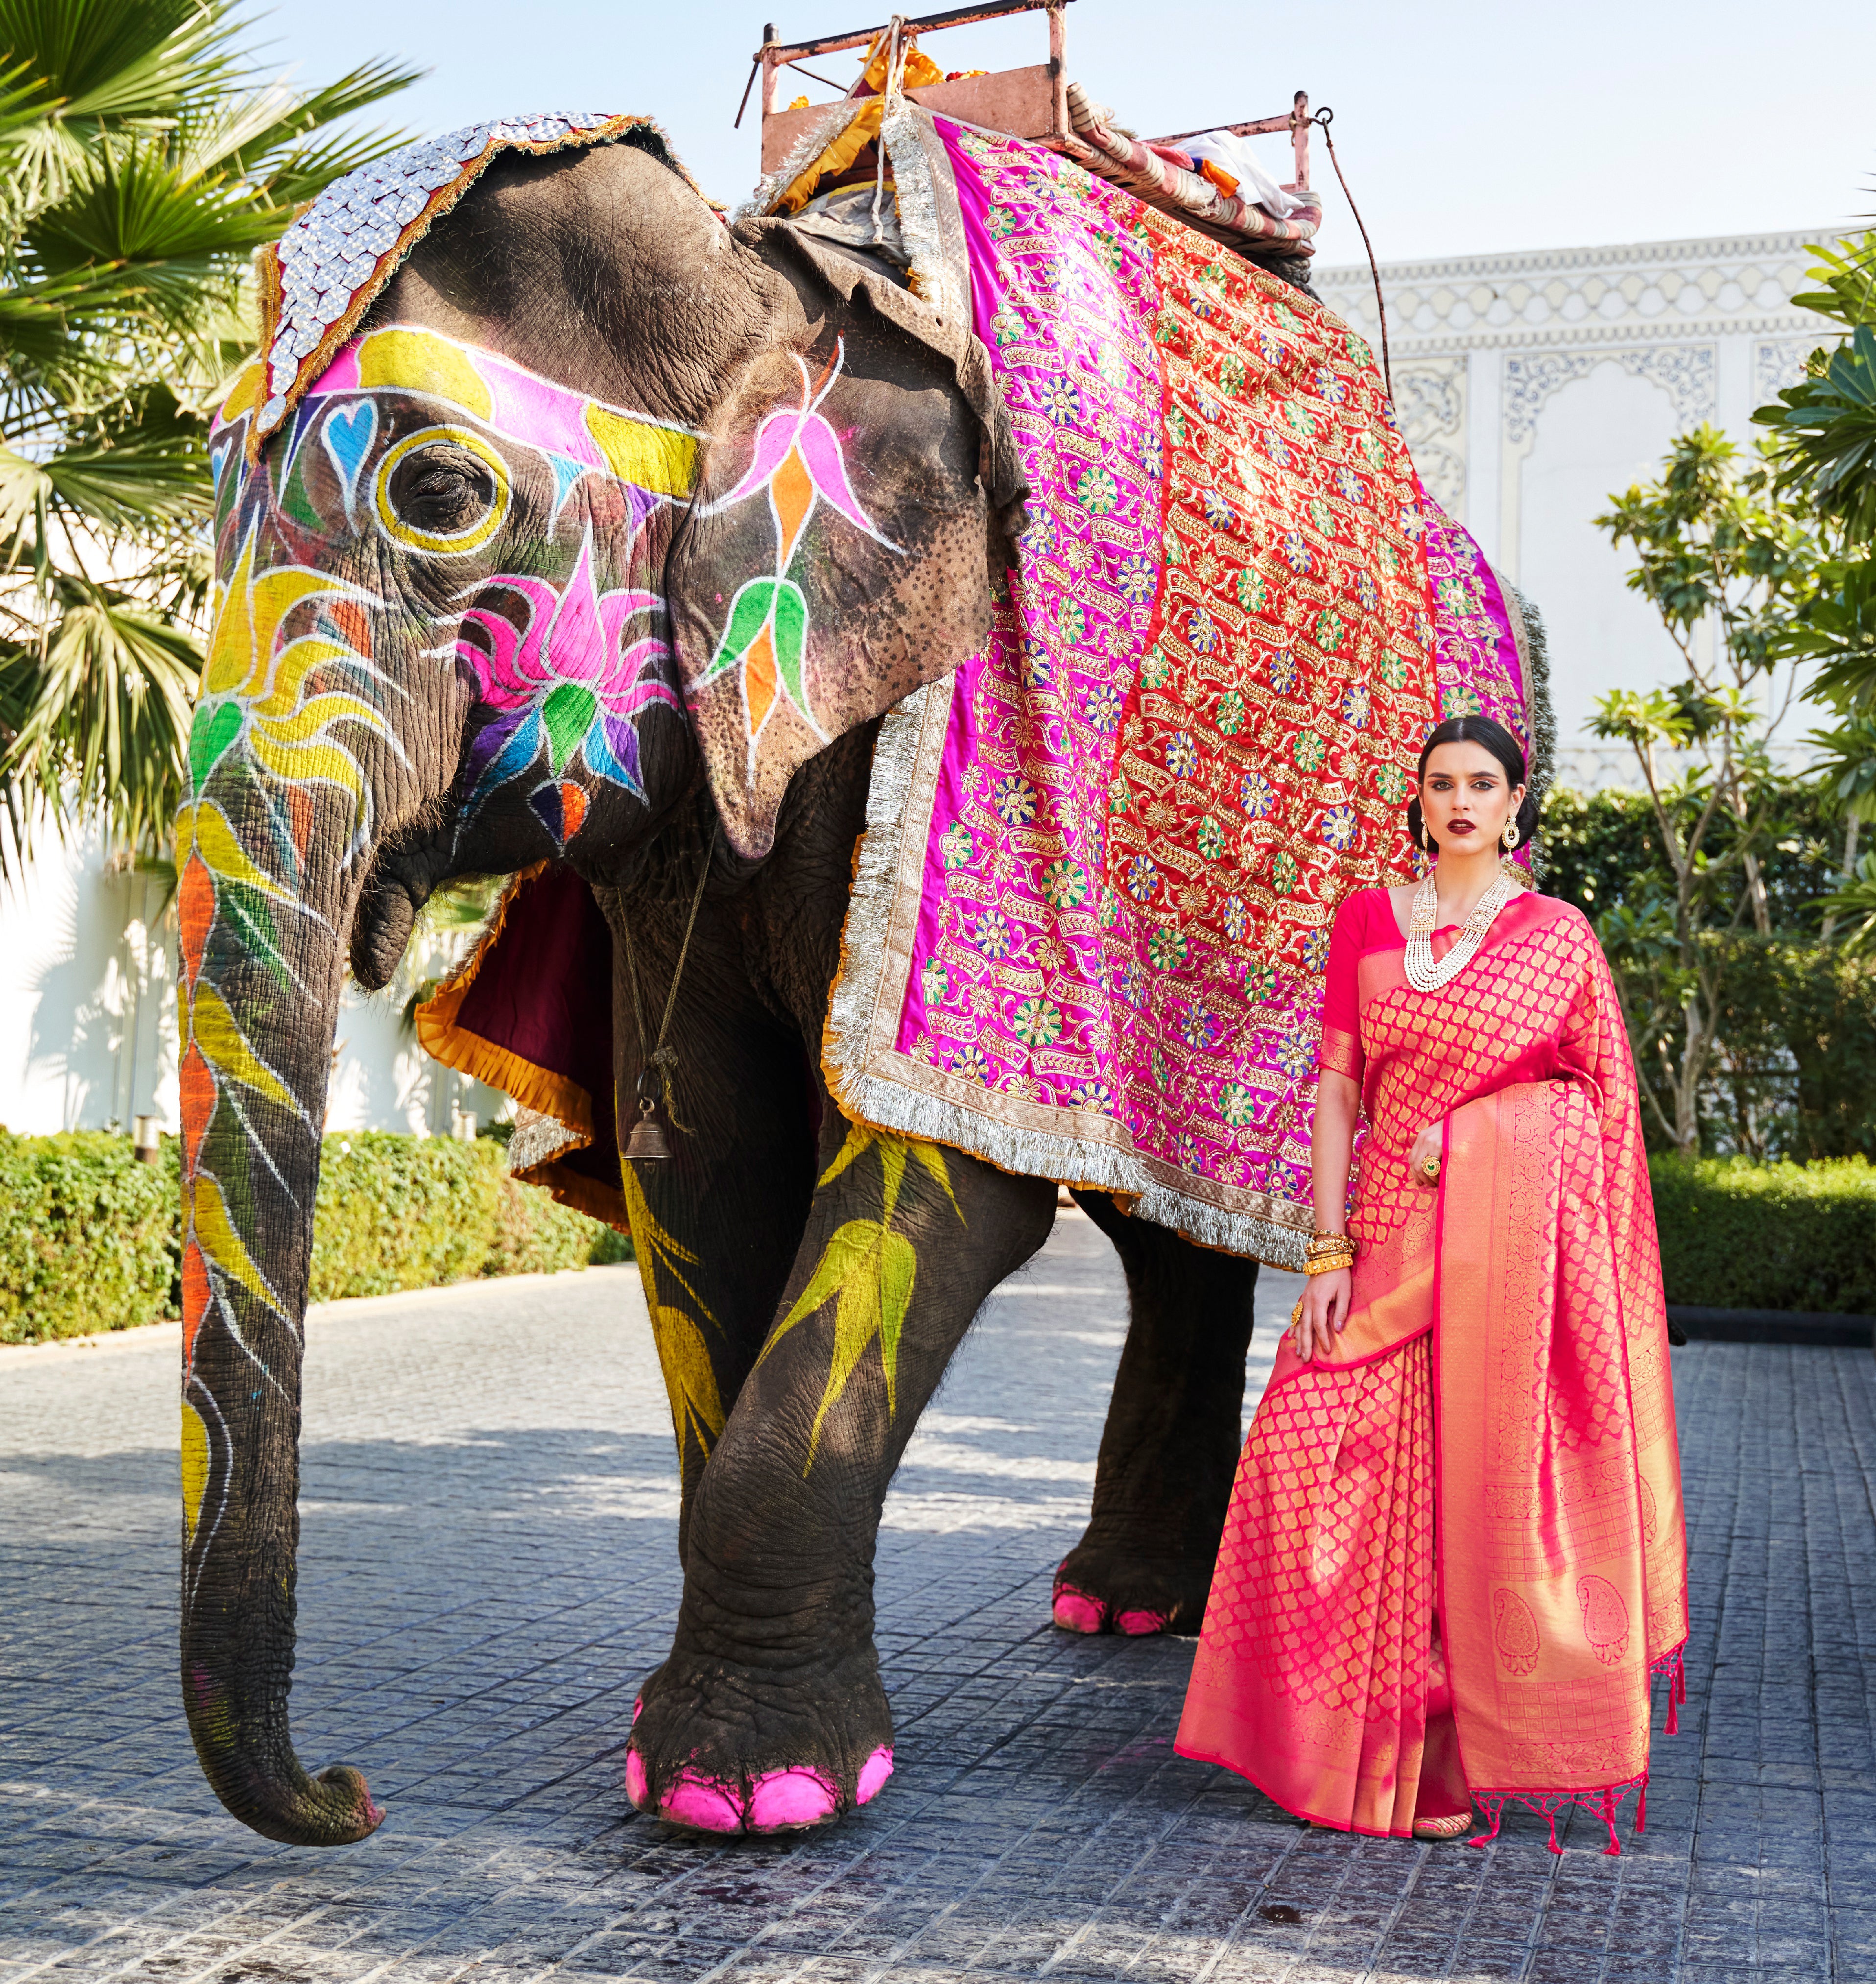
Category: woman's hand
[1325,1309]
[1429,1148]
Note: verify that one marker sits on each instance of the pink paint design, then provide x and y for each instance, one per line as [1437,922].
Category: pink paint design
[873,1774]
[569,636]
[341,376]
[1139,1625]
[549,416]
[786,1800]
[702,1804]
[1075,1612]
[806,430]
[565,677]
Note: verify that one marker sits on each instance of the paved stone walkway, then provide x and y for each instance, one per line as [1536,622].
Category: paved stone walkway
[488,1571]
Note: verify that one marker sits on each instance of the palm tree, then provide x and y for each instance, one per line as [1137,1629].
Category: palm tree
[143,158]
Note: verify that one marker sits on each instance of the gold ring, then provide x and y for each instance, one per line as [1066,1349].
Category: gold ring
[1430,1170]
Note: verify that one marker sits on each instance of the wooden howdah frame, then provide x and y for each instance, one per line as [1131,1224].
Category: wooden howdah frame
[1030,103]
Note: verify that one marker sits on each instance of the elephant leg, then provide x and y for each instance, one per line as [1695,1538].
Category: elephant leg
[769,1713]
[1169,1450]
[715,1225]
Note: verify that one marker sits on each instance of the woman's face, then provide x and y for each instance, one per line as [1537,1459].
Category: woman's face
[1466,798]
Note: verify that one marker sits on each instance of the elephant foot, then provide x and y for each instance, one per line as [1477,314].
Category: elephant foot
[705,1774]
[1102,1590]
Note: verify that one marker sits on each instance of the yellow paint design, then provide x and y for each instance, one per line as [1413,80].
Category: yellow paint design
[241,645]
[215,1234]
[213,1029]
[654,457]
[420,361]
[195,1467]
[472,535]
[690,1377]
[867,1271]
[312,764]
[202,828]
[243,397]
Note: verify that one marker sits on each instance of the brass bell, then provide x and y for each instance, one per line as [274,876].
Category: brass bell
[647,1144]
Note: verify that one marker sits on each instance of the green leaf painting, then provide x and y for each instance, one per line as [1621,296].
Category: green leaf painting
[867,1271]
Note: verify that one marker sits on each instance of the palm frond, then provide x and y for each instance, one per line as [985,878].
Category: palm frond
[106,703]
[142,158]
[122,59]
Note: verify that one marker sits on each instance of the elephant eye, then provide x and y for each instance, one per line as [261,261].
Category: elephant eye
[444,491]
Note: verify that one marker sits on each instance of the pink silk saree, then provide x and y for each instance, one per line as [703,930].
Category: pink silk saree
[1454,1556]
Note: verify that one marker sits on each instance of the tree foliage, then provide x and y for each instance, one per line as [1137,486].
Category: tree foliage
[1726,564]
[1822,444]
[142,159]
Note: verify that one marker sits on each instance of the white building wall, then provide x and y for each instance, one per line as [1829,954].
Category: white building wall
[88,1019]
[1533,387]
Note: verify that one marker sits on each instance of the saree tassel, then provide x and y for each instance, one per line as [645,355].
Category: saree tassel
[1672,1726]
[1641,1810]
[1494,1809]
[1609,1819]
[1554,1847]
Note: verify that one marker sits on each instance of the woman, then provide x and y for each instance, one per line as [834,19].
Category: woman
[1454,1556]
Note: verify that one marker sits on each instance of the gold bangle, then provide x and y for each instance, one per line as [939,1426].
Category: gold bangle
[1329,1264]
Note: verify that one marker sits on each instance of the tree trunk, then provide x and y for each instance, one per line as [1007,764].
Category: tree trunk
[1851,827]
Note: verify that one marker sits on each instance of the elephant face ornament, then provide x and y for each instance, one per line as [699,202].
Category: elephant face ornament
[511,530]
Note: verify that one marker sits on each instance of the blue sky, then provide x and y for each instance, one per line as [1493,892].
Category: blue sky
[1463,128]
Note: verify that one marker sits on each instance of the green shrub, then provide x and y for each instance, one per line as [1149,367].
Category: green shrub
[400,1212]
[1741,1235]
[89,1237]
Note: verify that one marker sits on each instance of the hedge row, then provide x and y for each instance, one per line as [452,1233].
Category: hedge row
[89,1237]
[1741,1235]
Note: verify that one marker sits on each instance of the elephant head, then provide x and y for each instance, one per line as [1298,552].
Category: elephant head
[598,501]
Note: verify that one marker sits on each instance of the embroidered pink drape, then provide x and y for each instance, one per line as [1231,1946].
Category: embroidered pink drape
[1454,1555]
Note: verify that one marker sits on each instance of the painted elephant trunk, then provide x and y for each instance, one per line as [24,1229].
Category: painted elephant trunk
[260,945]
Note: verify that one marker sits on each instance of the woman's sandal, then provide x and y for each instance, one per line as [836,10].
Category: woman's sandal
[1443,1831]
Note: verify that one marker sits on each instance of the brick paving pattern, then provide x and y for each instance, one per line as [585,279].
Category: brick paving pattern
[488,1570]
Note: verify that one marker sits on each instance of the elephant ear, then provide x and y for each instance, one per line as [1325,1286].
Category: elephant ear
[839,547]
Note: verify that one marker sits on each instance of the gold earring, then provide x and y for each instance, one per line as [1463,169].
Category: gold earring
[1511,836]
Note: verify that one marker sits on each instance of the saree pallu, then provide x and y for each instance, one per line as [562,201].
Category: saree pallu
[1454,1555]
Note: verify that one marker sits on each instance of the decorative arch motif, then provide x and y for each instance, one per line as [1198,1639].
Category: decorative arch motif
[1687,373]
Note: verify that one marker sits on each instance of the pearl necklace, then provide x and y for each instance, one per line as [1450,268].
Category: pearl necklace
[1424,973]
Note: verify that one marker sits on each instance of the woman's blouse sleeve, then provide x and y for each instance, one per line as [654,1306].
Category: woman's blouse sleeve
[1342,1013]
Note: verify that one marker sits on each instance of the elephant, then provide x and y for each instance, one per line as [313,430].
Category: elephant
[469,582]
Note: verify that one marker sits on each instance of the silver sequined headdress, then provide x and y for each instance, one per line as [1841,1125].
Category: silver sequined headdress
[318,282]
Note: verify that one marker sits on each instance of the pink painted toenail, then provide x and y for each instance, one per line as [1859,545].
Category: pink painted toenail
[1077,1612]
[702,1803]
[873,1774]
[1137,1624]
[781,1800]
[635,1780]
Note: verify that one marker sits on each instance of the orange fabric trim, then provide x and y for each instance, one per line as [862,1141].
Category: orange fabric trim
[440,1036]
[537,1088]
[583,1194]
